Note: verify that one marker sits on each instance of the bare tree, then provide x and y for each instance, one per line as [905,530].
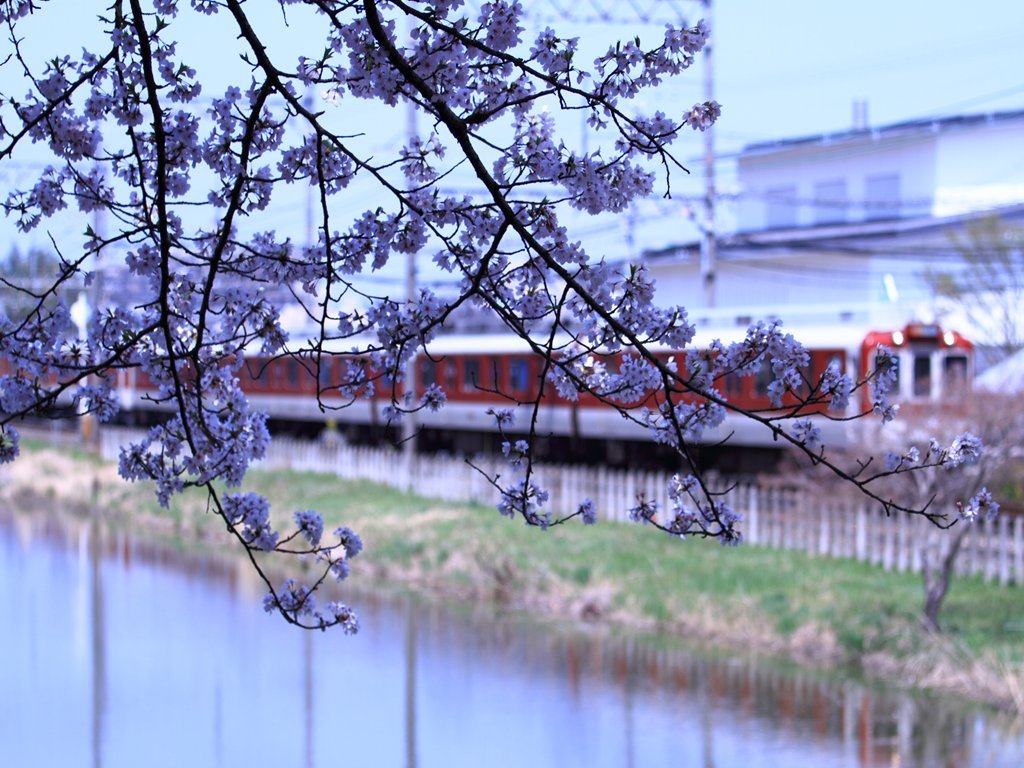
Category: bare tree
[998,421]
[988,286]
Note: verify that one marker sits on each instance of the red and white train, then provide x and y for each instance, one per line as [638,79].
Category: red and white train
[935,368]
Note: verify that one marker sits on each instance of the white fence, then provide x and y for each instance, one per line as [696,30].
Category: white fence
[772,517]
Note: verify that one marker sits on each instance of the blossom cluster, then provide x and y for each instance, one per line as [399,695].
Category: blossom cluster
[981,507]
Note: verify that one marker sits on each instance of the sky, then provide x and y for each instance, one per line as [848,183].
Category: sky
[781,69]
[794,67]
[791,68]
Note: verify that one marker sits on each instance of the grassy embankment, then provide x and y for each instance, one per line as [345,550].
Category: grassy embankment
[823,611]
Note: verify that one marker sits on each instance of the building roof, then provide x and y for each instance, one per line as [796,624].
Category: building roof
[834,236]
[920,125]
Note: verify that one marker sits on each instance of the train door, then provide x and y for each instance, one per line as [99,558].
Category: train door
[956,374]
[922,365]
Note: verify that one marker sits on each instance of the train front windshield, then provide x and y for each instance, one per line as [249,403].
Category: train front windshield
[935,374]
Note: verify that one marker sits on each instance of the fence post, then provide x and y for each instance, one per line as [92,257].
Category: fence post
[752,514]
[990,563]
[824,513]
[887,542]
[964,562]
[1018,550]
[917,538]
[601,498]
[794,514]
[625,487]
[861,535]
[779,517]
[901,542]
[1003,542]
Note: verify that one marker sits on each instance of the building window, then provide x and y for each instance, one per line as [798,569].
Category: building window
[882,196]
[830,201]
[781,206]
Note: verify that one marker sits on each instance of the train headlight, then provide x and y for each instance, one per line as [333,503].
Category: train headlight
[949,338]
[897,338]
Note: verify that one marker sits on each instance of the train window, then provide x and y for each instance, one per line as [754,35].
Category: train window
[428,372]
[806,380]
[954,375]
[518,374]
[733,384]
[492,375]
[470,373]
[922,375]
[325,373]
[764,378]
[257,372]
[293,373]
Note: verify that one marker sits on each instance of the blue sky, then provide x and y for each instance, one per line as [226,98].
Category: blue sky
[784,68]
[794,67]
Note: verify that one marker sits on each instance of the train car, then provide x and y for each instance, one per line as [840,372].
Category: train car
[482,372]
[473,370]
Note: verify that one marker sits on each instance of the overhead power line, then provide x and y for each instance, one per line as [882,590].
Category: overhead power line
[604,11]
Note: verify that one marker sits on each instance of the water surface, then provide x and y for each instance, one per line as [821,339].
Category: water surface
[120,653]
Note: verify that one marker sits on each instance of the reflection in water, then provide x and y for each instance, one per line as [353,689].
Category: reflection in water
[410,687]
[218,725]
[630,718]
[99,651]
[705,712]
[184,668]
[309,710]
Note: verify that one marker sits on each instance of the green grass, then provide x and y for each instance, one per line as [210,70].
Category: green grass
[660,578]
[29,444]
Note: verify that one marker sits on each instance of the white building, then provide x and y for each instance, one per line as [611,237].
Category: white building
[843,227]
[922,168]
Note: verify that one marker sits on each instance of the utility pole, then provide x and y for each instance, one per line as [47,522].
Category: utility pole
[622,13]
[311,188]
[89,301]
[409,419]
[708,242]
